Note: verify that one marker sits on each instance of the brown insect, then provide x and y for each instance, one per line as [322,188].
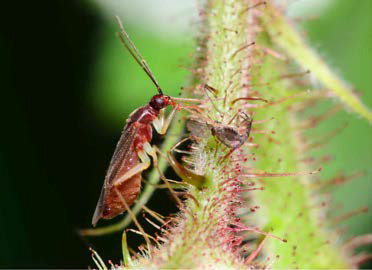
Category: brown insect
[231,136]
[133,151]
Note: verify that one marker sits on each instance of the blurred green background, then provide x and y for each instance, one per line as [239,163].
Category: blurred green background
[68,85]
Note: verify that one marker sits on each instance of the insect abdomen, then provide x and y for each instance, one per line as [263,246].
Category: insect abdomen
[128,191]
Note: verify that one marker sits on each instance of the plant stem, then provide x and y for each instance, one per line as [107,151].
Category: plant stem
[214,221]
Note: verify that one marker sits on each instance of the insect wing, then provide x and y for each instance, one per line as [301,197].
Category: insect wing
[227,135]
[123,157]
[197,128]
[234,137]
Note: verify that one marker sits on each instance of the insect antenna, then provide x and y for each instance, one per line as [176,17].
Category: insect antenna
[128,44]
[213,91]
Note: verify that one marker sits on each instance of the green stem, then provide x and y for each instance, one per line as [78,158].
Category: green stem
[286,37]
[207,231]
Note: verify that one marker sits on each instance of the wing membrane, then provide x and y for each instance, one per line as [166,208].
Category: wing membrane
[122,153]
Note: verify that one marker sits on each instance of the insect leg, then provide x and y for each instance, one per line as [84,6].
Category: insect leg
[160,124]
[151,151]
[222,159]
[145,163]
[196,100]
[130,213]
[234,116]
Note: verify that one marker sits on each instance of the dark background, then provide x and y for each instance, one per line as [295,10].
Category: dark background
[50,143]
[59,130]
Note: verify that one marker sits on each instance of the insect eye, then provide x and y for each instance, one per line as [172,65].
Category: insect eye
[158,102]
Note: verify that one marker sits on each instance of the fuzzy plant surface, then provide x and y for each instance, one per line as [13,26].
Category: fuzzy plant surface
[260,204]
